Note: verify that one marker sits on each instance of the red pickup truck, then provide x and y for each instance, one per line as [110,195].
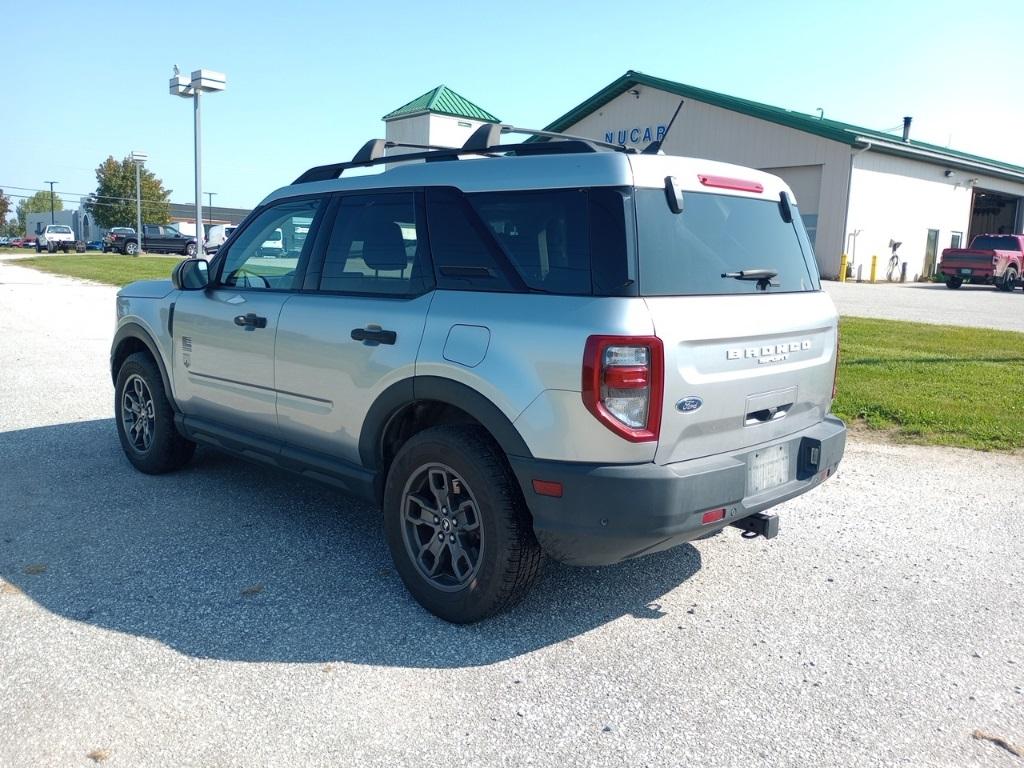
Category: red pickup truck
[993,259]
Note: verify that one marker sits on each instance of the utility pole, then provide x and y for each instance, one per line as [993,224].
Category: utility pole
[138,158]
[51,183]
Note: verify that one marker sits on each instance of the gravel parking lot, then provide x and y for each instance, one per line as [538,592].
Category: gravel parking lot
[231,615]
[979,306]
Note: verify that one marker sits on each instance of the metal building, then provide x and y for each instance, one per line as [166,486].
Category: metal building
[858,189]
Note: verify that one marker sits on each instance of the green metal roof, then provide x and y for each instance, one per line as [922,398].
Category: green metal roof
[824,127]
[443,101]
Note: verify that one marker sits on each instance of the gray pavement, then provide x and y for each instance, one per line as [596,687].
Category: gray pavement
[978,306]
[231,615]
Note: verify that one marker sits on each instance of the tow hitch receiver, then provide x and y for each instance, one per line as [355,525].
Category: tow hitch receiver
[758,524]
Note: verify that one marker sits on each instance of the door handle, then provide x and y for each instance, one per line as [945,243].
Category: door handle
[251,320]
[374,335]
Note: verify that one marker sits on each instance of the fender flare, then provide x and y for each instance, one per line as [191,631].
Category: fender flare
[137,332]
[442,390]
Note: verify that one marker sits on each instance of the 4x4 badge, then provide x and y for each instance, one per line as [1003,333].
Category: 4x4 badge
[689,404]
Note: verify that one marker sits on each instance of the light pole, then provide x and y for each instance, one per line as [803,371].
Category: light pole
[203,80]
[51,183]
[138,158]
[209,208]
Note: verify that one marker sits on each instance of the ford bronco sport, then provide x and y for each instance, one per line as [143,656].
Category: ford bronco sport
[558,346]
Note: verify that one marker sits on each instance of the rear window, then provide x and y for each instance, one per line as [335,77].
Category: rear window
[59,230]
[995,244]
[687,254]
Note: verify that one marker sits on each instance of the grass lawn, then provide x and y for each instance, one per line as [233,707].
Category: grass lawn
[110,268]
[936,384]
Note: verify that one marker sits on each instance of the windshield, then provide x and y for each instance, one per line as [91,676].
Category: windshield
[687,254]
[995,243]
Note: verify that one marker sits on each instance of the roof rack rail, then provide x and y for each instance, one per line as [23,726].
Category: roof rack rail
[484,141]
[489,135]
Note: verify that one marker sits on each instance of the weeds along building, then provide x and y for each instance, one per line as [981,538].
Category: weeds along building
[858,189]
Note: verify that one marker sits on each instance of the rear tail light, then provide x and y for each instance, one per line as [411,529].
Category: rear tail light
[623,382]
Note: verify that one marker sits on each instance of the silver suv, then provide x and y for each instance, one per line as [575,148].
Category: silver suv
[550,347]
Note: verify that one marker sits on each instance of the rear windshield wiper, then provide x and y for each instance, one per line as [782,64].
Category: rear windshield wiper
[762,276]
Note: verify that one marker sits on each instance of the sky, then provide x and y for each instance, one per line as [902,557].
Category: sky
[307,82]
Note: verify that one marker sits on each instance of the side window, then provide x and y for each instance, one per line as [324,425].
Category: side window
[151,231]
[252,263]
[374,248]
[544,234]
[463,257]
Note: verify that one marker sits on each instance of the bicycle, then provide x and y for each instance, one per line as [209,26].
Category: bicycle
[894,261]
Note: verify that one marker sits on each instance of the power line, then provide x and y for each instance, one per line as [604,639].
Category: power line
[79,195]
[91,203]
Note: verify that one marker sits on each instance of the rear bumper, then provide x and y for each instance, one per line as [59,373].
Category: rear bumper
[977,271]
[610,513]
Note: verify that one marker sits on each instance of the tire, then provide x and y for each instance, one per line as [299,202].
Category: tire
[51,248]
[190,250]
[954,282]
[105,249]
[131,248]
[1009,281]
[39,248]
[470,466]
[157,447]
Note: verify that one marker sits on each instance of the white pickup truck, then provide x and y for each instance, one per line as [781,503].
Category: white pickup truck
[57,237]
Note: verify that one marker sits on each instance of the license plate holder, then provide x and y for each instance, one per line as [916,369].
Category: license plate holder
[767,469]
[965,271]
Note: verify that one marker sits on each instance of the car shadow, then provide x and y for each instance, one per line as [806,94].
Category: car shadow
[236,561]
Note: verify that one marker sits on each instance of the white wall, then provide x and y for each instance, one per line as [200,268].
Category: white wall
[901,199]
[703,130]
[436,130]
[447,131]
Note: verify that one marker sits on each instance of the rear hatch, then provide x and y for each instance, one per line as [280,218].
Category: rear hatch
[748,357]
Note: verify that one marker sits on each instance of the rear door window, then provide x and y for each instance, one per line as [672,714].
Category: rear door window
[689,253]
[374,247]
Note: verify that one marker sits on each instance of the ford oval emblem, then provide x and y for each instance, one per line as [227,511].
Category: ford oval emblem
[689,404]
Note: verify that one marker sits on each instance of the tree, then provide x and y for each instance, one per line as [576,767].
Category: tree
[113,202]
[5,208]
[38,203]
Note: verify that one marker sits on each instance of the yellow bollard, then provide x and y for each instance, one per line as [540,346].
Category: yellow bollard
[874,267]
[842,269]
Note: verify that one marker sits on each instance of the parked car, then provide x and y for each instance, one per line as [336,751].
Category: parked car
[94,245]
[217,234]
[58,237]
[117,239]
[28,242]
[993,259]
[4,240]
[274,245]
[559,348]
[16,242]
[156,238]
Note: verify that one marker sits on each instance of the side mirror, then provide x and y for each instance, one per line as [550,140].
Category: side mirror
[673,194]
[191,275]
